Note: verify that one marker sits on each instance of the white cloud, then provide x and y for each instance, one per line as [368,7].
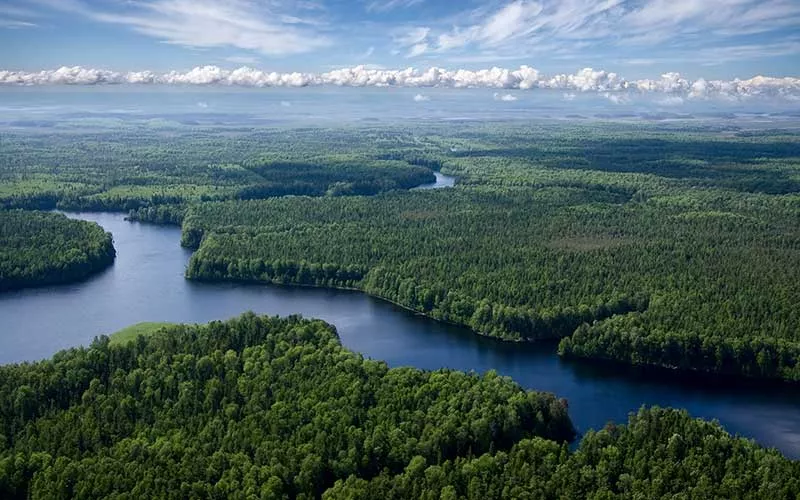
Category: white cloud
[627,28]
[202,104]
[421,98]
[609,84]
[417,50]
[504,97]
[286,104]
[657,20]
[15,24]
[411,37]
[244,24]
[387,5]
[513,19]
[15,17]
[525,26]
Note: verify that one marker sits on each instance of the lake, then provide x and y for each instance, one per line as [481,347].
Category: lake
[146,283]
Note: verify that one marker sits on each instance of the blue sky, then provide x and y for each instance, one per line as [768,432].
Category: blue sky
[721,39]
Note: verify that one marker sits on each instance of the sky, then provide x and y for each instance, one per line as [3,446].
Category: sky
[640,38]
[630,40]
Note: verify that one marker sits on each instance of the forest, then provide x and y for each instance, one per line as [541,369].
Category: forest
[268,407]
[676,250]
[39,248]
[657,244]
[129,168]
[254,406]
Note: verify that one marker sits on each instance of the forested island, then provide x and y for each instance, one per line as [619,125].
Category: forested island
[39,248]
[271,407]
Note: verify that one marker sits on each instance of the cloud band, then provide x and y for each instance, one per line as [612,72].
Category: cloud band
[523,78]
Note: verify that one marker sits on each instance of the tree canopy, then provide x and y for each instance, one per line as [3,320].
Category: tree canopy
[253,407]
[267,407]
[46,248]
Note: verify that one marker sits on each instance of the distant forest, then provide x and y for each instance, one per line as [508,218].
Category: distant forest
[126,169]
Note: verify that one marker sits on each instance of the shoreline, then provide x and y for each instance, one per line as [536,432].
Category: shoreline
[707,376]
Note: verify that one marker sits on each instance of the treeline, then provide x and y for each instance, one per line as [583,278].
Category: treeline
[39,248]
[254,407]
[266,407]
[162,214]
[281,272]
[633,339]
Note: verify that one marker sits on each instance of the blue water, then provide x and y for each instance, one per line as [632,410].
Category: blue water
[146,284]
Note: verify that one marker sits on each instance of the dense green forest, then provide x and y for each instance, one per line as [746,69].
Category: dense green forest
[673,249]
[659,454]
[39,248]
[122,169]
[256,406]
[264,407]
[669,245]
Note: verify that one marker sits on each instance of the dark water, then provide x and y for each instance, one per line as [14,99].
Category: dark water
[146,284]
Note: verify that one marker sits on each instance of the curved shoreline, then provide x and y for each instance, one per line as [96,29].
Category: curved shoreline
[97,260]
[706,375]
[670,369]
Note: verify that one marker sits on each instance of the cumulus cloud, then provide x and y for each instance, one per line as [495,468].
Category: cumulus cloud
[504,97]
[616,87]
[421,98]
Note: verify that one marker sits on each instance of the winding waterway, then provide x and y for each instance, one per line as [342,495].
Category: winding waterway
[146,284]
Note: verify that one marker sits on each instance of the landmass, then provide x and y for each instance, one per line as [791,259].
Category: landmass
[39,248]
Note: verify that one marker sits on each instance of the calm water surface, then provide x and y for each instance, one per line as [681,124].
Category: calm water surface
[146,284]
[442,181]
